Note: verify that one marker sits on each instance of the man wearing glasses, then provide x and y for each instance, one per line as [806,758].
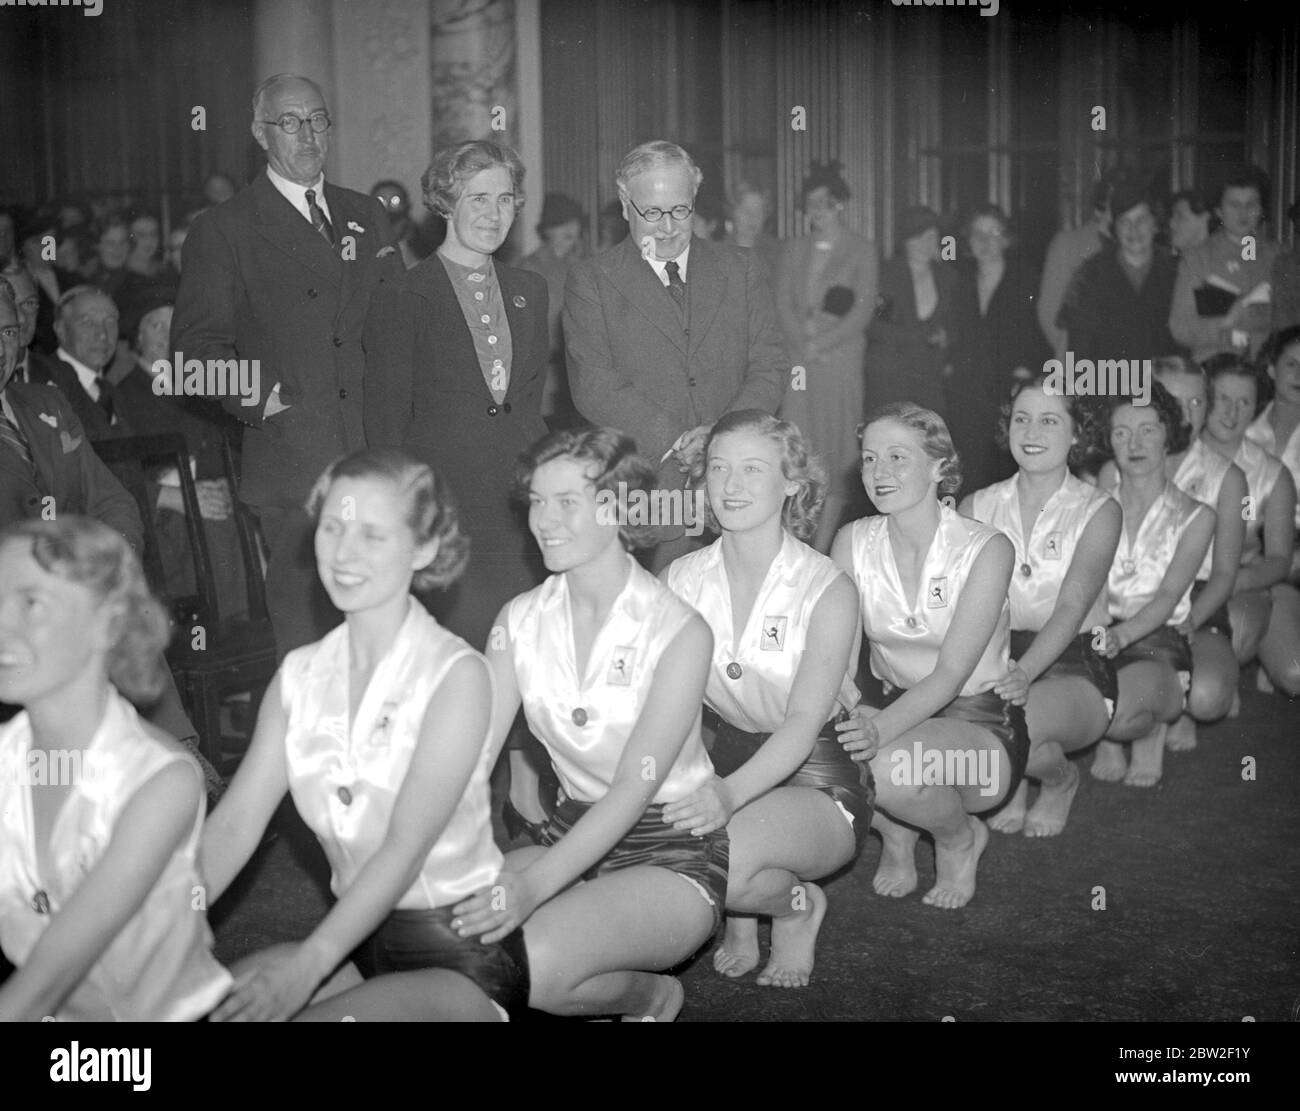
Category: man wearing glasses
[282,273]
[666,333]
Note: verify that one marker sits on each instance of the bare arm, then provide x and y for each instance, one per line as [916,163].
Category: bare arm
[1225,559]
[1278,536]
[152,826]
[234,829]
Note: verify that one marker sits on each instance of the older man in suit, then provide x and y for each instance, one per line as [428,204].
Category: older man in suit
[282,274]
[665,333]
[86,323]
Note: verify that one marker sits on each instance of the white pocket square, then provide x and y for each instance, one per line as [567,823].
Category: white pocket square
[354,226]
[51,420]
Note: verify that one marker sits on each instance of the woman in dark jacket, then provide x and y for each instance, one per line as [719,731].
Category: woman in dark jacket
[996,338]
[908,340]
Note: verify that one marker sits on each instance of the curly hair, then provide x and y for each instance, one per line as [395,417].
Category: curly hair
[824,175]
[617,469]
[87,552]
[1074,407]
[936,440]
[1178,433]
[801,509]
[1277,344]
[430,508]
[444,181]
[1225,363]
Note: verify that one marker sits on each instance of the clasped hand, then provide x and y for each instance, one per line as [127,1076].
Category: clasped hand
[708,808]
[858,733]
[495,912]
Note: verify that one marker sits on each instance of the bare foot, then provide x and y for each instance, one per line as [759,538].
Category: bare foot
[738,954]
[1052,807]
[794,942]
[1234,711]
[669,995]
[955,869]
[1263,683]
[1147,764]
[896,872]
[1182,735]
[1109,763]
[1011,818]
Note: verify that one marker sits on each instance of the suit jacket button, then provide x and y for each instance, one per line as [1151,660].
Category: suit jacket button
[690,381]
[492,410]
[345,796]
[311,293]
[343,395]
[506,406]
[338,342]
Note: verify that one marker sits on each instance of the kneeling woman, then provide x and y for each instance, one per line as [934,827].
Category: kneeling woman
[1265,608]
[1165,537]
[610,667]
[784,621]
[100,813]
[934,610]
[1065,533]
[380,731]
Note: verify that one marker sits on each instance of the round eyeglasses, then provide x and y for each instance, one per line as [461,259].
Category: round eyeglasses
[290,124]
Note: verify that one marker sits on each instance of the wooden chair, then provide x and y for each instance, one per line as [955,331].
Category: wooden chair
[213,654]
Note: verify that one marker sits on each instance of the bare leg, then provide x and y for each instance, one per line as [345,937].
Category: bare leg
[1064,715]
[1011,818]
[777,840]
[738,954]
[1279,651]
[584,944]
[896,872]
[1148,759]
[425,995]
[1109,764]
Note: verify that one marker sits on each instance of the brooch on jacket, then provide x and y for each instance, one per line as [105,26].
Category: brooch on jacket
[50,419]
[354,226]
[520,301]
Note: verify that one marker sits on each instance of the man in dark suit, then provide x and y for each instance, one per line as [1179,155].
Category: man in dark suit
[86,323]
[666,333]
[282,273]
[32,365]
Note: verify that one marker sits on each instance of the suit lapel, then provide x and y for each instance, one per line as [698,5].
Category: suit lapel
[633,277]
[706,286]
[43,440]
[284,226]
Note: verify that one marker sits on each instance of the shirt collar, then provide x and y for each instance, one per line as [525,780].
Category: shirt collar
[90,381]
[296,194]
[660,265]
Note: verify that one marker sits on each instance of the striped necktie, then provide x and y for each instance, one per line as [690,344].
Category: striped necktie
[676,287]
[318,220]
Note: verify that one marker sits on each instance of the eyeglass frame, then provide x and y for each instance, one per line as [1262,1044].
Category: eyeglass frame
[299,121]
[690,210]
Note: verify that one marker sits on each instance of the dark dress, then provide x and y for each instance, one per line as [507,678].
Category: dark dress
[987,347]
[425,393]
[1106,318]
[906,355]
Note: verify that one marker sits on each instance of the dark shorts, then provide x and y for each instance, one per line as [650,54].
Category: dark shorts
[1166,644]
[1001,718]
[408,940]
[1220,621]
[652,842]
[1079,661]
[828,769]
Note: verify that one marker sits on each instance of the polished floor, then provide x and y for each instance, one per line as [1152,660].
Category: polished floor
[1201,880]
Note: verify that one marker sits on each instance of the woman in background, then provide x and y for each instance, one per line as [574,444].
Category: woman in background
[825,294]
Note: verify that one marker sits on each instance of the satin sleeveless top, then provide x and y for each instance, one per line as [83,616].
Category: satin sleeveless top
[345,780]
[1141,562]
[905,634]
[1261,470]
[160,965]
[754,667]
[1200,475]
[585,720]
[1043,557]
[1261,432]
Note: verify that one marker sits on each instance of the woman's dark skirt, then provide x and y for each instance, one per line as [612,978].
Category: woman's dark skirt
[408,940]
[828,769]
[652,842]
[1080,660]
[999,717]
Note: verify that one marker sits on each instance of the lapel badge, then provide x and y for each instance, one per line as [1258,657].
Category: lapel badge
[620,667]
[520,301]
[1052,546]
[772,637]
[936,596]
[354,226]
[50,419]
